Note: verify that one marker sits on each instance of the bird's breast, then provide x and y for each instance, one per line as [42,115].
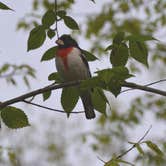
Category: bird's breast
[62,54]
[72,66]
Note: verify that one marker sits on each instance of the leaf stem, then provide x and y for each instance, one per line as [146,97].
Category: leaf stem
[56,23]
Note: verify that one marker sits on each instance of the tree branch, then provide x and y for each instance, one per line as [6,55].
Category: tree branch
[37,92]
[144,88]
[156,82]
[74,83]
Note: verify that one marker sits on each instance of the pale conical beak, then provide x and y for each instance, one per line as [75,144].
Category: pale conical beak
[59,42]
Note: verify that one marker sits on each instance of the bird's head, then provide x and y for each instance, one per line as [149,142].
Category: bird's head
[66,41]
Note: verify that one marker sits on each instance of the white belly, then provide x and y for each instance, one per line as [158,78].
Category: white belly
[76,69]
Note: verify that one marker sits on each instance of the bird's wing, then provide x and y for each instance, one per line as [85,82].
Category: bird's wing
[85,62]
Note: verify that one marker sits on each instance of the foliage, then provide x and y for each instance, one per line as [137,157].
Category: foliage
[9,72]
[14,118]
[126,39]
[4,7]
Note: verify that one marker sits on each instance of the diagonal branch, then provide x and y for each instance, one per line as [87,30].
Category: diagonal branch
[132,147]
[144,88]
[152,83]
[74,83]
[37,92]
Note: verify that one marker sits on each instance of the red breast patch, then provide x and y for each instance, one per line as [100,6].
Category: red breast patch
[63,53]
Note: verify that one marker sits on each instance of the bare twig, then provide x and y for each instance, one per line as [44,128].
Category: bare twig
[51,109]
[132,147]
[128,150]
[156,82]
[101,160]
[144,88]
[56,23]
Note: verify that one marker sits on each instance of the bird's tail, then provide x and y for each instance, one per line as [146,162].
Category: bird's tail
[87,103]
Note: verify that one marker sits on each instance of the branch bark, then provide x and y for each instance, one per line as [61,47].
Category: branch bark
[144,88]
[37,92]
[74,83]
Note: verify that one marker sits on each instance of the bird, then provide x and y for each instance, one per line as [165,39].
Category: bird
[72,65]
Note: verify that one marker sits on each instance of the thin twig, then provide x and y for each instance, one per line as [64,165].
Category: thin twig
[132,147]
[51,109]
[156,82]
[144,88]
[101,160]
[56,23]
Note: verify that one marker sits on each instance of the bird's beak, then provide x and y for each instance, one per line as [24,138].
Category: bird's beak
[59,42]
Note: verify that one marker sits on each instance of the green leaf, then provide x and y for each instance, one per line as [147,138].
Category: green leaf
[98,100]
[4,68]
[14,117]
[114,87]
[36,38]
[48,19]
[118,73]
[139,148]
[12,158]
[121,73]
[112,162]
[55,77]
[89,56]
[139,52]
[90,83]
[46,95]
[154,147]
[70,23]
[140,38]
[50,33]
[26,81]
[113,78]
[110,47]
[61,13]
[4,7]
[49,54]
[69,99]
[119,55]
[12,81]
[119,37]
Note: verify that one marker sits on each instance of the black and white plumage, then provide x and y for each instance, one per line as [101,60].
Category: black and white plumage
[72,65]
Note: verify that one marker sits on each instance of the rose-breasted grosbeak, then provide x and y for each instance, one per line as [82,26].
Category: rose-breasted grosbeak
[72,65]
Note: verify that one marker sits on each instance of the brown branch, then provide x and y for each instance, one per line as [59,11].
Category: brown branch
[74,83]
[51,109]
[37,92]
[144,88]
[156,82]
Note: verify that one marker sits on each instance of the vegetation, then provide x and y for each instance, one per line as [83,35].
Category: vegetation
[130,42]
